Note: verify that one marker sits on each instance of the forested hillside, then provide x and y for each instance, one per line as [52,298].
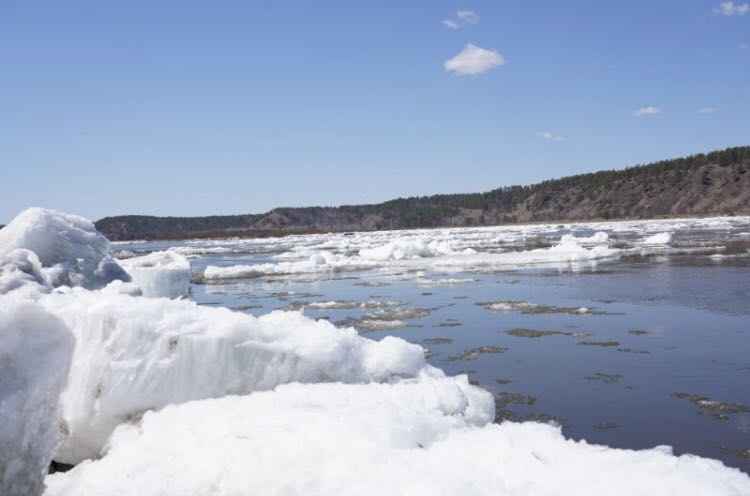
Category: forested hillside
[717,183]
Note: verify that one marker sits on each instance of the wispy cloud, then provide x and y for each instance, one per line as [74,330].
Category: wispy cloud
[461,19]
[647,111]
[707,110]
[731,8]
[468,16]
[451,24]
[550,136]
[744,46]
[473,60]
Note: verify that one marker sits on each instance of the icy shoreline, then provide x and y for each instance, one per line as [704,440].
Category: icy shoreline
[167,397]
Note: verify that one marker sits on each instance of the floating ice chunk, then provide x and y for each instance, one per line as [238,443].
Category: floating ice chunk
[161,273]
[201,250]
[445,281]
[658,239]
[35,353]
[333,305]
[349,305]
[405,249]
[724,256]
[368,324]
[532,308]
[568,251]
[599,237]
[422,437]
[134,354]
[68,247]
[320,262]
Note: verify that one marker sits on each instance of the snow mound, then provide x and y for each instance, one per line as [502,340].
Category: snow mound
[405,249]
[425,436]
[658,239]
[35,353]
[21,273]
[71,250]
[135,354]
[161,273]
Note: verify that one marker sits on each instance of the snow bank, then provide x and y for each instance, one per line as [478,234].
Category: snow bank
[35,353]
[426,436]
[69,247]
[161,273]
[658,239]
[134,354]
[21,273]
[404,249]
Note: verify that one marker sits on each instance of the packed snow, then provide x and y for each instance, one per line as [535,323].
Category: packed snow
[426,436]
[35,353]
[21,272]
[135,354]
[71,250]
[161,273]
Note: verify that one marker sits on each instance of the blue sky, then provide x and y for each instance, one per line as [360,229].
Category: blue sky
[197,108]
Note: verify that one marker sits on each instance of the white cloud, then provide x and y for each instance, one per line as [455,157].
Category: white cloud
[731,8]
[462,18]
[707,110]
[468,16]
[645,111]
[451,24]
[473,60]
[550,136]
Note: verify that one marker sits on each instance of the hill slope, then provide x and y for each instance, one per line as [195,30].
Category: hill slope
[717,183]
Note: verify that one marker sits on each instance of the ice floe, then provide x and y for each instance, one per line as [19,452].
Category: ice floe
[658,239]
[161,273]
[411,248]
[599,237]
[420,256]
[323,262]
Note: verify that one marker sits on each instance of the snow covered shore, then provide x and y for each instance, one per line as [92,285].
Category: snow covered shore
[35,354]
[424,436]
[166,397]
